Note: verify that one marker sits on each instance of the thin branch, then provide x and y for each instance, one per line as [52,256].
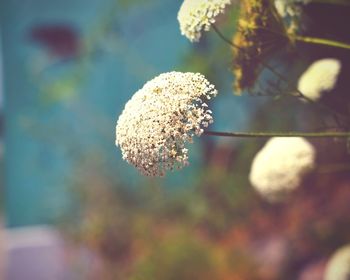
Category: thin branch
[297,94]
[322,41]
[308,39]
[326,134]
[267,66]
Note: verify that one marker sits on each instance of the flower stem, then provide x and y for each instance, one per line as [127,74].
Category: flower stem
[321,41]
[325,134]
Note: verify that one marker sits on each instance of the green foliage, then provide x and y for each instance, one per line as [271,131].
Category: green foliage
[182,258]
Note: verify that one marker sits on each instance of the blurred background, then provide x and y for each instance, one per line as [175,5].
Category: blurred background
[71,208]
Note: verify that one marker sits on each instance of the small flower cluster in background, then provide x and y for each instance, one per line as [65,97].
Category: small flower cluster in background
[279,167]
[319,78]
[338,266]
[197,16]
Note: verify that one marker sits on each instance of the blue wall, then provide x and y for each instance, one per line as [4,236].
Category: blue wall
[51,130]
[61,111]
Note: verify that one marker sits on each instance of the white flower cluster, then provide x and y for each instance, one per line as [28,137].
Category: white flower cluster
[197,15]
[160,118]
[338,267]
[280,165]
[320,77]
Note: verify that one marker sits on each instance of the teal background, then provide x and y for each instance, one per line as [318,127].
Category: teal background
[61,113]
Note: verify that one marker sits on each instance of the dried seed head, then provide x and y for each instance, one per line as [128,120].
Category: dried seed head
[259,32]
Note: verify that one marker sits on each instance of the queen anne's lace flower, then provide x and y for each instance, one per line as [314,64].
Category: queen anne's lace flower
[197,15]
[338,267]
[280,165]
[160,118]
[320,77]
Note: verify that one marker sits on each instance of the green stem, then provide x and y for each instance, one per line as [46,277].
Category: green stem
[279,134]
[321,41]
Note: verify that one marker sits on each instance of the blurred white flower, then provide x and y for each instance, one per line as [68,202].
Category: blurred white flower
[160,118]
[283,7]
[289,7]
[338,267]
[320,77]
[279,167]
[196,16]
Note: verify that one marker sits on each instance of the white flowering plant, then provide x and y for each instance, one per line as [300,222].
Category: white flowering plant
[169,110]
[294,213]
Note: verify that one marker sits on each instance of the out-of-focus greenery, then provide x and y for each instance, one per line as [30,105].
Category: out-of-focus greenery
[182,258]
[67,85]
[220,229]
